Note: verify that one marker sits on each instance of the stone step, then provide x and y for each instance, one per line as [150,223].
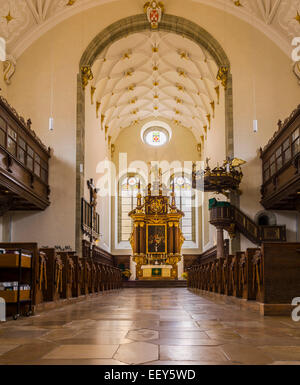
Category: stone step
[154,284]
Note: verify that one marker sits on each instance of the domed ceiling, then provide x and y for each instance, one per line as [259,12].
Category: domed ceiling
[24,21]
[155,75]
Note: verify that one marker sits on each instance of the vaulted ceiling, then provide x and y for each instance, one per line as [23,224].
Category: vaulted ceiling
[157,75]
[23,21]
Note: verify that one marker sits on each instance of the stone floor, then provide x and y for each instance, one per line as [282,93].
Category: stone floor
[150,326]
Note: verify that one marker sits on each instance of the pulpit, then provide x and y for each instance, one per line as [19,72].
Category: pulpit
[156,238]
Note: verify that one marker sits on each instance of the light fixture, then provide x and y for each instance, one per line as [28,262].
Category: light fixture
[51,124]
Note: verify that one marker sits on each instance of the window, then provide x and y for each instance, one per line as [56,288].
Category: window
[295,142]
[156,137]
[278,155]
[30,158]
[156,133]
[185,201]
[37,166]
[128,190]
[21,150]
[12,141]
[287,153]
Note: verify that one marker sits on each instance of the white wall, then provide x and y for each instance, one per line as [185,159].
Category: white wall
[181,148]
[53,60]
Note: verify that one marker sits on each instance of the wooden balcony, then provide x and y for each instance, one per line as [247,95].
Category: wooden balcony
[24,164]
[281,166]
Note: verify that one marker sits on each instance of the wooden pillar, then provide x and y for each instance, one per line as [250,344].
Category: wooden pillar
[220,243]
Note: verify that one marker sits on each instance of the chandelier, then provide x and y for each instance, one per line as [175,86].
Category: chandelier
[221,179]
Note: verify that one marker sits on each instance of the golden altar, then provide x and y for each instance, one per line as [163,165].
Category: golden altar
[156,238]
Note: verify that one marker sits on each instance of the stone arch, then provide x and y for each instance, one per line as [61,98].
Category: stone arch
[123,28]
[269,216]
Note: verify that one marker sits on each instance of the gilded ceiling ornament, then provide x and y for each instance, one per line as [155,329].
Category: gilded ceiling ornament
[213,108]
[131,87]
[98,104]
[237,3]
[86,75]
[208,117]
[127,55]
[112,149]
[181,72]
[183,55]
[129,73]
[297,18]
[223,76]
[217,89]
[9,68]
[93,89]
[154,11]
[8,17]
[102,120]
[180,87]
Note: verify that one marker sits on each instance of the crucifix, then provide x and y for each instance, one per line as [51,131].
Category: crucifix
[93,203]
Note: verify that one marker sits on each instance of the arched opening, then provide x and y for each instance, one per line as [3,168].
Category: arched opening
[138,24]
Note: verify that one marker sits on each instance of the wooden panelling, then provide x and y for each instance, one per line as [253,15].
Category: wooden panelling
[281,166]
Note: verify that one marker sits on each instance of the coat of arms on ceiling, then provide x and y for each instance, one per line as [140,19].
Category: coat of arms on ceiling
[154,11]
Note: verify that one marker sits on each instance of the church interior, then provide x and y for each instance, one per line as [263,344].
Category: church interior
[149,182]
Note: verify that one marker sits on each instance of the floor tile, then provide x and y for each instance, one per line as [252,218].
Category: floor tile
[191,353]
[82,352]
[137,353]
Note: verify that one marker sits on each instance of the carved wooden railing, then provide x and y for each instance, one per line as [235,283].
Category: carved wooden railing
[24,164]
[281,166]
[235,220]
[269,275]
[96,253]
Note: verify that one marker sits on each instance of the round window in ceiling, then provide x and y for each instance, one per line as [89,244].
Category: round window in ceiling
[156,133]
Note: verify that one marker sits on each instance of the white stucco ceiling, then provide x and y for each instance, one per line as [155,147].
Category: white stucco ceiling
[23,21]
[159,75]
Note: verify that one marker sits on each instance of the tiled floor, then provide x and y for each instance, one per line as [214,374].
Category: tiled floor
[150,326]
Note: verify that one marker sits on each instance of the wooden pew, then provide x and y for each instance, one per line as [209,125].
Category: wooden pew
[226,269]
[79,277]
[234,275]
[86,283]
[277,268]
[219,269]
[246,275]
[212,276]
[68,277]
[54,275]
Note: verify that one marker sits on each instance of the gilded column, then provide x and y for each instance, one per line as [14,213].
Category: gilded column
[136,239]
[142,239]
[170,238]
